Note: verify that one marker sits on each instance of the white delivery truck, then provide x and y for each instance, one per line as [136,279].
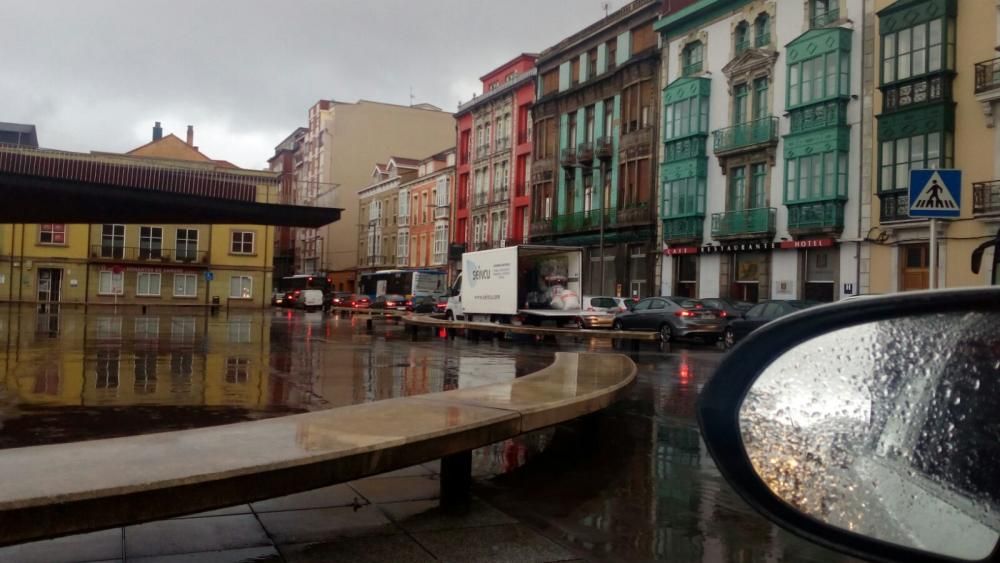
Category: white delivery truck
[525,284]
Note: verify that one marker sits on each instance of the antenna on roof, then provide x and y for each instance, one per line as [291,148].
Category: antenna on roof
[411,96]
[607,7]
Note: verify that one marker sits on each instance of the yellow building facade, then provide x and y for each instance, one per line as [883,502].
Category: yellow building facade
[938,87]
[147,264]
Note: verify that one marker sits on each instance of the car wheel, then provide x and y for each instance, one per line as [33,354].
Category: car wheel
[666,333]
[728,339]
[449,316]
[617,325]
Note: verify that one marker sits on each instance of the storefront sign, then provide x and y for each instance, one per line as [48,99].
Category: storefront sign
[749,247]
[145,269]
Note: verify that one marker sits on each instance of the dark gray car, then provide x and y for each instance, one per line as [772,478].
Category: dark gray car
[673,317]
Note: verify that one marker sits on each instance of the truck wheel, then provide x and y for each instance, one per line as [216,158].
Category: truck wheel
[666,333]
[617,325]
[449,316]
[729,338]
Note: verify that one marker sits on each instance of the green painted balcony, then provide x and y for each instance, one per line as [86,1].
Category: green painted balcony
[614,218]
[683,229]
[743,224]
[746,135]
[816,217]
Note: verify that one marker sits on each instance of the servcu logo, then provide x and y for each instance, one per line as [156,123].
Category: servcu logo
[476,273]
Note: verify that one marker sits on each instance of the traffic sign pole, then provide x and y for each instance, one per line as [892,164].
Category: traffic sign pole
[933,255]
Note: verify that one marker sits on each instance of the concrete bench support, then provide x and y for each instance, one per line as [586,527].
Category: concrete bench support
[62,489]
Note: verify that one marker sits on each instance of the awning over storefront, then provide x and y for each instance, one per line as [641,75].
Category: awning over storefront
[30,199]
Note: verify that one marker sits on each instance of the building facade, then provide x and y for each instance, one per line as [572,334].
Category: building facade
[287,163]
[937,95]
[386,215]
[426,214]
[595,126]
[145,264]
[341,143]
[494,159]
[763,185]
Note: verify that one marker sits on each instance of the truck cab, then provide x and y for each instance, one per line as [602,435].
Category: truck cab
[453,312]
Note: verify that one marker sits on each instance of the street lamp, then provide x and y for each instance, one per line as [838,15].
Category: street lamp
[601,221]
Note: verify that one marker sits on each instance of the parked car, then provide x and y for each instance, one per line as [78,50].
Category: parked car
[309,299]
[389,302]
[291,298]
[340,299]
[359,301]
[441,305]
[731,307]
[423,304]
[758,316]
[673,317]
[277,298]
[612,305]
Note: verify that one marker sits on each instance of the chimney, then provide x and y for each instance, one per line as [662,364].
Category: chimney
[157,132]
[190,136]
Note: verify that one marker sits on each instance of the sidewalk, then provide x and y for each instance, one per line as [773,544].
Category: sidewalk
[388,518]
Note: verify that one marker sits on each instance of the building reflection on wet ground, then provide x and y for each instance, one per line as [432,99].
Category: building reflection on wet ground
[634,483]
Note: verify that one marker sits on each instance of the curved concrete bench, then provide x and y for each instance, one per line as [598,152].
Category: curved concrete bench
[415,322]
[49,491]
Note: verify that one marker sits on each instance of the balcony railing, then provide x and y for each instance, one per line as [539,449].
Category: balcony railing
[402,260]
[375,261]
[442,211]
[683,228]
[480,199]
[988,76]
[501,193]
[591,220]
[692,69]
[986,198]
[825,18]
[540,227]
[742,46]
[604,148]
[403,221]
[483,150]
[568,158]
[748,222]
[819,216]
[749,134]
[762,40]
[585,152]
[502,143]
[112,253]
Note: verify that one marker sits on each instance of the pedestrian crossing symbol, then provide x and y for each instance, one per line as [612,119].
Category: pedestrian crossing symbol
[935,193]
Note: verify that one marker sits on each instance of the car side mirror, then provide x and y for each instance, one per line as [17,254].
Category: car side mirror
[869,426]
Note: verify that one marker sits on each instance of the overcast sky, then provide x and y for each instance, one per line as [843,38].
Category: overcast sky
[96,74]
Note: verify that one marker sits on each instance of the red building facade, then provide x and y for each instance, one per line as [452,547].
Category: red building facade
[491,193]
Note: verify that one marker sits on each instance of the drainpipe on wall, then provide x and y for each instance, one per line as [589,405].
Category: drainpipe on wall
[866,37]
[86,279]
[20,285]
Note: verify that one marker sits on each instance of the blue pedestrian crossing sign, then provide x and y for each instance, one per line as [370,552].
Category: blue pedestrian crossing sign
[936,193]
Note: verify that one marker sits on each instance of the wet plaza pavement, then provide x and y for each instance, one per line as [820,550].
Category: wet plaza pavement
[634,483]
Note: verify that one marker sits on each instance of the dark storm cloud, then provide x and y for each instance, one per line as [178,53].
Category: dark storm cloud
[94,75]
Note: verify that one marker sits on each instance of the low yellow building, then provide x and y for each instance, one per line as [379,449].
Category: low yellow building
[939,85]
[148,264]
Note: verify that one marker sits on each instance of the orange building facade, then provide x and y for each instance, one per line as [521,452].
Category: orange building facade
[428,212]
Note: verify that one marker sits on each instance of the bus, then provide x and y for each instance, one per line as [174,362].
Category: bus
[408,283]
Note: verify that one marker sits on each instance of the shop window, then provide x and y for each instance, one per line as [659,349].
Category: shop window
[749,269]
[686,276]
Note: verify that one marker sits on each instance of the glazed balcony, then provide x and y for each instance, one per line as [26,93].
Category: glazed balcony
[817,217]
[745,136]
[748,223]
[111,253]
[986,198]
[683,229]
[442,212]
[585,152]
[614,218]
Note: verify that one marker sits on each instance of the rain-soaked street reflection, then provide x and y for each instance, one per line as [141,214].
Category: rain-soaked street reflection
[634,483]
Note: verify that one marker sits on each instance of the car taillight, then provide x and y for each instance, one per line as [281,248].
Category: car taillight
[723,314]
[408,303]
[684,314]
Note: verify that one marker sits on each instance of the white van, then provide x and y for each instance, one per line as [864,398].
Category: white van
[310,300]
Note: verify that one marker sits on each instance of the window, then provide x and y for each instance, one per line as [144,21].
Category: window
[237,371]
[52,233]
[147,284]
[760,98]
[185,285]
[691,58]
[242,242]
[684,197]
[686,276]
[592,63]
[737,189]
[111,283]
[147,328]
[816,176]
[740,97]
[823,12]
[819,79]
[107,369]
[742,37]
[112,241]
[914,51]
[187,244]
[820,275]
[762,30]
[686,117]
[150,242]
[612,53]
[898,156]
[240,287]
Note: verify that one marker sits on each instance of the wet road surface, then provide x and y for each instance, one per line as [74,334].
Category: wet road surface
[632,484]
